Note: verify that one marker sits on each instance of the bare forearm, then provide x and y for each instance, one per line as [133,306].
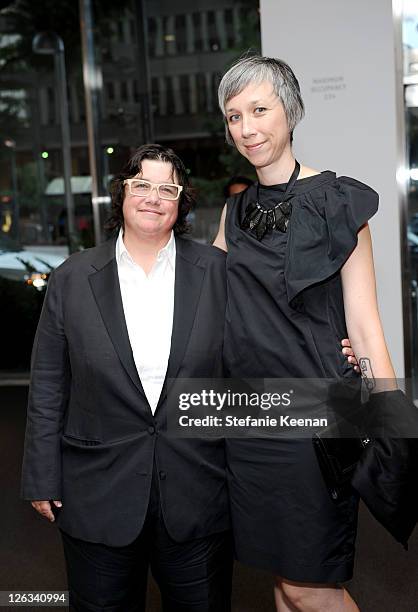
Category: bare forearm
[220,241]
[373,357]
[362,314]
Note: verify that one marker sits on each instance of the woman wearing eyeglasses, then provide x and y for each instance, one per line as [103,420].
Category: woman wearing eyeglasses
[118,321]
[300,274]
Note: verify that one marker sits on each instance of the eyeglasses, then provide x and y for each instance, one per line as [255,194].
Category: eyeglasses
[140,187]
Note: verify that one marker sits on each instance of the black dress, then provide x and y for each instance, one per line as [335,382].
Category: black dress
[285,318]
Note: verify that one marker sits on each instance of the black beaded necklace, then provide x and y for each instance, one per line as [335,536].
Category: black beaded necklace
[262,220]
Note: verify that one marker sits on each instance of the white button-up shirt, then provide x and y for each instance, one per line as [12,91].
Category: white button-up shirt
[148,304]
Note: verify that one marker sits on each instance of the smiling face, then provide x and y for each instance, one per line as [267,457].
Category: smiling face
[151,216]
[258,125]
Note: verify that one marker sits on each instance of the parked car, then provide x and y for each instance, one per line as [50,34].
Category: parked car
[23,280]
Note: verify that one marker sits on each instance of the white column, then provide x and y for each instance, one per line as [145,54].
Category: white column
[349,96]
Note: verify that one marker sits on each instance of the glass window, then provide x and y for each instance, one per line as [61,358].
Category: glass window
[181,97]
[121,33]
[110,90]
[124,96]
[214,42]
[202,98]
[181,34]
[216,79]
[135,90]
[152,34]
[169,35]
[229,28]
[170,104]
[132,29]
[155,93]
[197,31]
[185,93]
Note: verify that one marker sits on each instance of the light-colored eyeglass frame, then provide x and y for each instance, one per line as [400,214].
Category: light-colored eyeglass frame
[153,186]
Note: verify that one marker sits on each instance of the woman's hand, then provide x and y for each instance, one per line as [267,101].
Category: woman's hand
[44,508]
[348,352]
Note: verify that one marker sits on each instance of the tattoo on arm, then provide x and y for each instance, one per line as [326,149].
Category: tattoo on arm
[367,373]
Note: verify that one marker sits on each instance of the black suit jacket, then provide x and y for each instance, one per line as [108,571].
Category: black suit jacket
[91,437]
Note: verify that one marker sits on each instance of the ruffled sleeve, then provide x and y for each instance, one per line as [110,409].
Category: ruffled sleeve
[323,232]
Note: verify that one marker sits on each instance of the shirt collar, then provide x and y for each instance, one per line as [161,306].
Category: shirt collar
[168,252]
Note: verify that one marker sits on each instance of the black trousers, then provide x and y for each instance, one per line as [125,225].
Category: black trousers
[194,576]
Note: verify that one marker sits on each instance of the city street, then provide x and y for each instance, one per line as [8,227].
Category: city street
[31,556]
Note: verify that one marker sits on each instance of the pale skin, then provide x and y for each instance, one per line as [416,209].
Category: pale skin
[258,126]
[148,223]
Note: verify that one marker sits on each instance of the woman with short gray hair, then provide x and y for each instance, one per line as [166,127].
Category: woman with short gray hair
[256,69]
[300,278]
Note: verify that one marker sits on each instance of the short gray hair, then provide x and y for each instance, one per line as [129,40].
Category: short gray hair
[255,69]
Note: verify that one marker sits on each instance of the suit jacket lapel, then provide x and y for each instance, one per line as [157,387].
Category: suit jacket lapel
[188,286]
[104,283]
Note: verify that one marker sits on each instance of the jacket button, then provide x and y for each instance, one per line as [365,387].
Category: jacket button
[151,430]
[162,475]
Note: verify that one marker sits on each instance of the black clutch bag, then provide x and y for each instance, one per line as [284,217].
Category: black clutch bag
[339,446]
[338,458]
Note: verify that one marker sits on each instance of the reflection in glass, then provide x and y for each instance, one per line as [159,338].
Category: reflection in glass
[187,46]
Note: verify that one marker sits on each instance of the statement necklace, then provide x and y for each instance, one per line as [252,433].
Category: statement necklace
[262,220]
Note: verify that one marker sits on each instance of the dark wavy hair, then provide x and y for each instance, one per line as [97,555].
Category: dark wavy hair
[133,167]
